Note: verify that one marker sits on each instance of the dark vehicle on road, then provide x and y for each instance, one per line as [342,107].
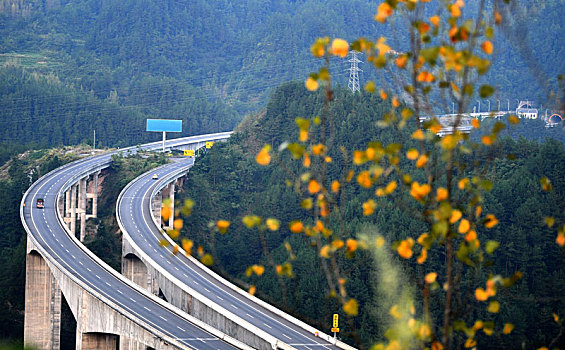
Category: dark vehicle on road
[39,203]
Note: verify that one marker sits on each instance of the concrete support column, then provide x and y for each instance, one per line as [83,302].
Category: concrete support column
[96,341]
[42,320]
[73,209]
[61,206]
[82,207]
[95,195]
[172,198]
[67,203]
[156,206]
[131,344]
[135,270]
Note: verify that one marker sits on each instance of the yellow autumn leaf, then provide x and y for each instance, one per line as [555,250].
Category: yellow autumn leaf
[481,294]
[463,183]
[273,224]
[383,94]
[508,327]
[491,221]
[364,179]
[207,260]
[177,224]
[351,307]
[435,20]
[405,248]
[187,245]
[442,194]
[487,47]
[369,207]
[423,256]
[351,245]
[476,123]
[430,277]
[340,47]
[418,135]
[311,84]
[513,119]
[422,160]
[419,192]
[493,307]
[390,187]
[296,227]
[335,186]
[303,135]
[394,312]
[455,216]
[258,269]
[166,213]
[471,236]
[173,234]
[313,186]
[263,157]
[222,226]
[325,251]
[412,154]
[401,61]
[464,226]
[383,12]
[470,342]
[252,290]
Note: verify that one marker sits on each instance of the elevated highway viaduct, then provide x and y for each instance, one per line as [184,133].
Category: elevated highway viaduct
[111,312]
[189,285]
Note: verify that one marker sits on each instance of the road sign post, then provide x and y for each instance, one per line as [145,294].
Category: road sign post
[335,325]
[164,125]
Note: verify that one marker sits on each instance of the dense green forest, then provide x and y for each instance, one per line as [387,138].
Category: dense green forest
[70,67]
[228,184]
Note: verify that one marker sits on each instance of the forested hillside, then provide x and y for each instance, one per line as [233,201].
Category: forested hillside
[69,67]
[227,183]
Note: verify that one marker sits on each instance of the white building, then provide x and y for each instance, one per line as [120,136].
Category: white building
[525,110]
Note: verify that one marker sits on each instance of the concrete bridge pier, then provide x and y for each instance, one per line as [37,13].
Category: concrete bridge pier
[82,207]
[172,198]
[131,344]
[73,209]
[42,318]
[92,193]
[135,270]
[96,341]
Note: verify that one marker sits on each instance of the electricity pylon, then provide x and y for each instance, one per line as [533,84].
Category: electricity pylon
[354,70]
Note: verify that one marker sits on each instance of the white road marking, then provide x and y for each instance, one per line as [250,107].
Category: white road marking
[250,315]
[268,326]
[163,318]
[181,329]
[286,336]
[146,308]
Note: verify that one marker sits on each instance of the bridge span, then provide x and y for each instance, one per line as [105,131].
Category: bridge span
[111,312]
[188,284]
